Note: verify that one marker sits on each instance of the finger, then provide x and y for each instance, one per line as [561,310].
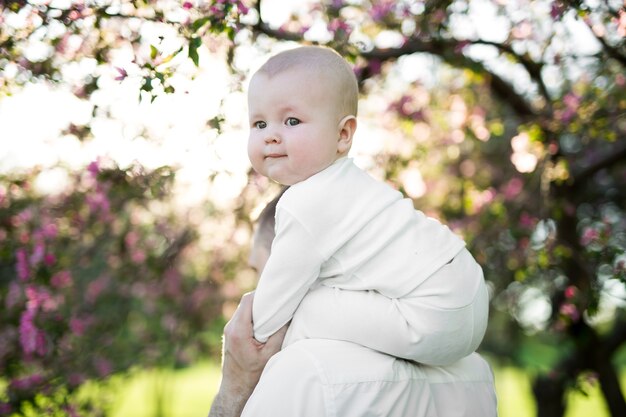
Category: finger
[240,324]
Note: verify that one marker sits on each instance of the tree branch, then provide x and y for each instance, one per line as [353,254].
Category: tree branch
[446,51]
[611,157]
[610,50]
[533,68]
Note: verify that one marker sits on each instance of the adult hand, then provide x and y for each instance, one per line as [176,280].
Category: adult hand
[243,360]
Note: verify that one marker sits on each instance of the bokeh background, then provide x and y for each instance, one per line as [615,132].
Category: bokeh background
[127,202]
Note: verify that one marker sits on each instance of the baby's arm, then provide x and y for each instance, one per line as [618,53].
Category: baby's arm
[293,266]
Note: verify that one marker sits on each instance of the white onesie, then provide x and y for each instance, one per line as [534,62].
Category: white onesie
[381,273]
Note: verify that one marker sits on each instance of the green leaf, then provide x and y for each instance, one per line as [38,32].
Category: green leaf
[197,24]
[194,44]
[153,51]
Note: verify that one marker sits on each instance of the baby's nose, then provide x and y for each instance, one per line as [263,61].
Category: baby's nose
[272,137]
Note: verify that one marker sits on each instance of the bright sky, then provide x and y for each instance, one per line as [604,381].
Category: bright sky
[170,131]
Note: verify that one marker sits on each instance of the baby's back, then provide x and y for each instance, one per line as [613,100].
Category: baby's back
[370,236]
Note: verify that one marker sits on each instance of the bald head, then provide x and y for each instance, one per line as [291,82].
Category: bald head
[324,62]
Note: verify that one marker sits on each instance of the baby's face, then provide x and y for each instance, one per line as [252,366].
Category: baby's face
[294,125]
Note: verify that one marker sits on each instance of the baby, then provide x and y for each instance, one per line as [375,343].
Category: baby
[352,258]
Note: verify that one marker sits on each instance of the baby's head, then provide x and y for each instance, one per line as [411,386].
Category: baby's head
[302,107]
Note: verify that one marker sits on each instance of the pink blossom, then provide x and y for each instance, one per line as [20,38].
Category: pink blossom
[71,411]
[242,8]
[31,338]
[21,266]
[40,298]
[14,295]
[187,5]
[570,310]
[513,188]
[339,25]
[38,253]
[49,230]
[570,292]
[381,9]
[75,379]
[98,202]
[556,11]
[49,259]
[78,326]
[589,235]
[27,382]
[572,101]
[95,288]
[94,168]
[122,74]
[527,221]
[138,256]
[61,279]
[131,239]
[103,366]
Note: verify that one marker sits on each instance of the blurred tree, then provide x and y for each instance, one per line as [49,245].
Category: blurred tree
[509,124]
[92,284]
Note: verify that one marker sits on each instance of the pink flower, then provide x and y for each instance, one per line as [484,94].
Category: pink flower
[49,230]
[5,409]
[138,256]
[381,9]
[49,259]
[122,74]
[31,338]
[98,202]
[27,382]
[570,310]
[187,5]
[95,288]
[94,168]
[38,254]
[526,221]
[513,188]
[338,25]
[14,296]
[61,279]
[242,8]
[589,235]
[103,366]
[570,292]
[78,326]
[22,264]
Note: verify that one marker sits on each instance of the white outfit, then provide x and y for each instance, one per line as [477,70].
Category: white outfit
[414,291]
[328,378]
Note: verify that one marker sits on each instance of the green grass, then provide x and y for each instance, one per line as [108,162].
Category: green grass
[164,393]
[513,388]
[188,393]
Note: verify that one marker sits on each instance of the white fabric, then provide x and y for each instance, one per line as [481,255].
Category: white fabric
[341,228]
[328,378]
[441,321]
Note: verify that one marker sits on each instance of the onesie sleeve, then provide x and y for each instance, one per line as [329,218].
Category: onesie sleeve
[293,266]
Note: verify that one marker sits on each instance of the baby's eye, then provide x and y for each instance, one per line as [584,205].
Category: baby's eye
[260,124]
[292,121]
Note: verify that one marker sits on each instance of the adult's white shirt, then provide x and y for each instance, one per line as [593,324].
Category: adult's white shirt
[329,378]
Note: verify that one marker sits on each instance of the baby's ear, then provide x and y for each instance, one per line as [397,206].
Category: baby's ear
[347,127]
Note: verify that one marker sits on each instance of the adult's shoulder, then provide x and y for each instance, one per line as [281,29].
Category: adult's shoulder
[320,377]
